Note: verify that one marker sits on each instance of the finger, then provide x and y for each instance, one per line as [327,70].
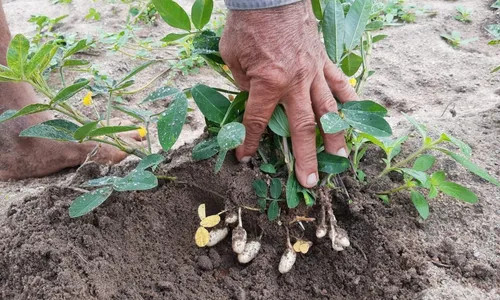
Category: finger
[322,103]
[339,84]
[303,130]
[260,106]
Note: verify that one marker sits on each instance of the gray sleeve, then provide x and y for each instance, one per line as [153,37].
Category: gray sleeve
[256,4]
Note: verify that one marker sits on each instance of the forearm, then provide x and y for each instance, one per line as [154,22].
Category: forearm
[256,4]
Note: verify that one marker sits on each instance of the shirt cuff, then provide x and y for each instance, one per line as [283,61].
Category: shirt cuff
[256,4]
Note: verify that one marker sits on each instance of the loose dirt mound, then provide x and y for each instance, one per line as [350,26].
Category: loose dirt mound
[140,246]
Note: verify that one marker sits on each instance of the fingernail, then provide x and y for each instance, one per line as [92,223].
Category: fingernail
[342,152]
[245,159]
[312,179]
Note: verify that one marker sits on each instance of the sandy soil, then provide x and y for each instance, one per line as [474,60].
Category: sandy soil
[139,245]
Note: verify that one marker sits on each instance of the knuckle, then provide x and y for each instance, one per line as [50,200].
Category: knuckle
[254,125]
[304,125]
[306,161]
[325,101]
[273,77]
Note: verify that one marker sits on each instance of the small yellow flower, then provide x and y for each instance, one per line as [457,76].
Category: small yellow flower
[353,82]
[142,131]
[87,100]
[225,68]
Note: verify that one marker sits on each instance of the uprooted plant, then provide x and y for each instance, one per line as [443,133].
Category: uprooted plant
[362,121]
[347,32]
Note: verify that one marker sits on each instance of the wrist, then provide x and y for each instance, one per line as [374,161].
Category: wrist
[257,4]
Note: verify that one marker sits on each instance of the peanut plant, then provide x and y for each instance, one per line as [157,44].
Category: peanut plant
[347,29]
[347,32]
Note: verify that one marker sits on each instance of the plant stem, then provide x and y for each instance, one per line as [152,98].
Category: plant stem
[62,77]
[404,161]
[225,91]
[148,137]
[108,108]
[145,86]
[264,159]
[165,177]
[395,190]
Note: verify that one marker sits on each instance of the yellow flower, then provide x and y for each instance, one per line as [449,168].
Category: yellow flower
[353,82]
[225,68]
[87,100]
[142,131]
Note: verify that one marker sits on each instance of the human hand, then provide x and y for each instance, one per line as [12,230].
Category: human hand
[276,54]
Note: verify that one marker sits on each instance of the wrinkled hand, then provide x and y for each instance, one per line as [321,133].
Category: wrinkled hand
[276,54]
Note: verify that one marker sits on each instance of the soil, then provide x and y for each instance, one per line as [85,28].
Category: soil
[140,245]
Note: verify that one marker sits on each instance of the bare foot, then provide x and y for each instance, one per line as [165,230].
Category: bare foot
[31,157]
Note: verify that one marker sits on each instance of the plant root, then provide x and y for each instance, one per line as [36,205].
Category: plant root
[337,235]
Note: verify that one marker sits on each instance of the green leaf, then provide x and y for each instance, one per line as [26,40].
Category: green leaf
[89,201]
[7,75]
[81,45]
[279,122]
[332,164]
[75,62]
[495,69]
[110,130]
[103,181]
[205,149]
[171,121]
[137,180]
[374,25]
[231,136]
[421,128]
[212,104]
[433,192]
[418,175]
[355,22]
[150,161]
[472,167]
[378,38]
[27,110]
[201,12]
[365,106]
[275,188]
[17,54]
[292,186]
[83,131]
[457,191]
[139,114]
[173,14]
[268,168]
[59,130]
[273,211]
[318,11]
[332,123]
[38,61]
[174,37]
[368,123]
[236,108]
[135,71]
[161,94]
[69,92]
[308,198]
[466,149]
[220,160]
[351,64]
[262,204]
[260,188]
[420,203]
[437,178]
[424,162]
[333,26]
[384,198]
